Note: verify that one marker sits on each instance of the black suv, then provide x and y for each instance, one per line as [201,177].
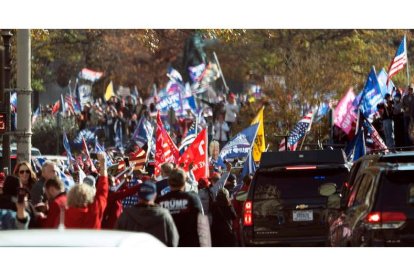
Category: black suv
[284,205]
[380,208]
[370,160]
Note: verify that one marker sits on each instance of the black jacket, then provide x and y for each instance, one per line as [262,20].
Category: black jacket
[151,219]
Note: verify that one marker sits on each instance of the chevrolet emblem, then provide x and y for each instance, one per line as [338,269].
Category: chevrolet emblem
[302,206]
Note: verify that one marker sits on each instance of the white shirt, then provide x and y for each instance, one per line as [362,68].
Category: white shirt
[231,112]
[220,131]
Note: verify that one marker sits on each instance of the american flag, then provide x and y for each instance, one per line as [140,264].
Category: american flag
[282,145]
[400,59]
[374,140]
[189,138]
[137,159]
[69,105]
[299,131]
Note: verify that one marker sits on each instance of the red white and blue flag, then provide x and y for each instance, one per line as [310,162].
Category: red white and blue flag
[300,129]
[400,59]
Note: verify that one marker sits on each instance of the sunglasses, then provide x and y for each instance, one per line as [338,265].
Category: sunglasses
[24,171]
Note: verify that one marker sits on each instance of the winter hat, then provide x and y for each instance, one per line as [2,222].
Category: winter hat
[147,190]
[11,185]
[90,180]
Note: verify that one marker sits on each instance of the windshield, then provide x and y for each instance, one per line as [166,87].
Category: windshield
[296,184]
[395,189]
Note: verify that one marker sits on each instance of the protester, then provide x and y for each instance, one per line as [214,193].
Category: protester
[85,207]
[15,219]
[398,118]
[114,207]
[9,198]
[27,176]
[55,193]
[206,196]
[221,129]
[49,170]
[185,207]
[162,184]
[223,215]
[149,217]
[231,111]
[408,108]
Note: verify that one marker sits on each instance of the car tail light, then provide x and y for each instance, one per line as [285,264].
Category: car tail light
[386,220]
[247,213]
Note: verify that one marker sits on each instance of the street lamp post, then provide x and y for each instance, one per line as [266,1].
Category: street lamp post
[7,35]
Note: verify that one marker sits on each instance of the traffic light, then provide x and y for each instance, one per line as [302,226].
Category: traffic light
[3,122]
[1,74]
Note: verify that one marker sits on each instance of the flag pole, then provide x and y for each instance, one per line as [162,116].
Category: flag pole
[221,72]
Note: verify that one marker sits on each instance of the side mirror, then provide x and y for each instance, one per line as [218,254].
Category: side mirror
[327,189]
[334,202]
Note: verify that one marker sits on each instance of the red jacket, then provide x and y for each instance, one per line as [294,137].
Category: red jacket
[114,208]
[53,216]
[91,215]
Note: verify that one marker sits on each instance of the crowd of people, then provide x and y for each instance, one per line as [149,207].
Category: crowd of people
[167,206]
[395,118]
[170,216]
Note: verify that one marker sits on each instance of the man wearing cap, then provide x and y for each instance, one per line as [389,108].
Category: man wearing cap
[149,217]
[185,207]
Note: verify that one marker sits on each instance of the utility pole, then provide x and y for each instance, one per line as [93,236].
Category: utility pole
[7,35]
[24,100]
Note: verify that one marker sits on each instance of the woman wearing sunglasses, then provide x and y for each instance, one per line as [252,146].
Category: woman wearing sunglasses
[26,175]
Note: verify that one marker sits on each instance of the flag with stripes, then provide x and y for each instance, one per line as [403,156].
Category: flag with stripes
[282,145]
[90,75]
[400,59]
[69,105]
[137,159]
[373,139]
[300,129]
[189,138]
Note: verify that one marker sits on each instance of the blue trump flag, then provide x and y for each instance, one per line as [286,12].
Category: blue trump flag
[143,132]
[371,95]
[382,80]
[238,147]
